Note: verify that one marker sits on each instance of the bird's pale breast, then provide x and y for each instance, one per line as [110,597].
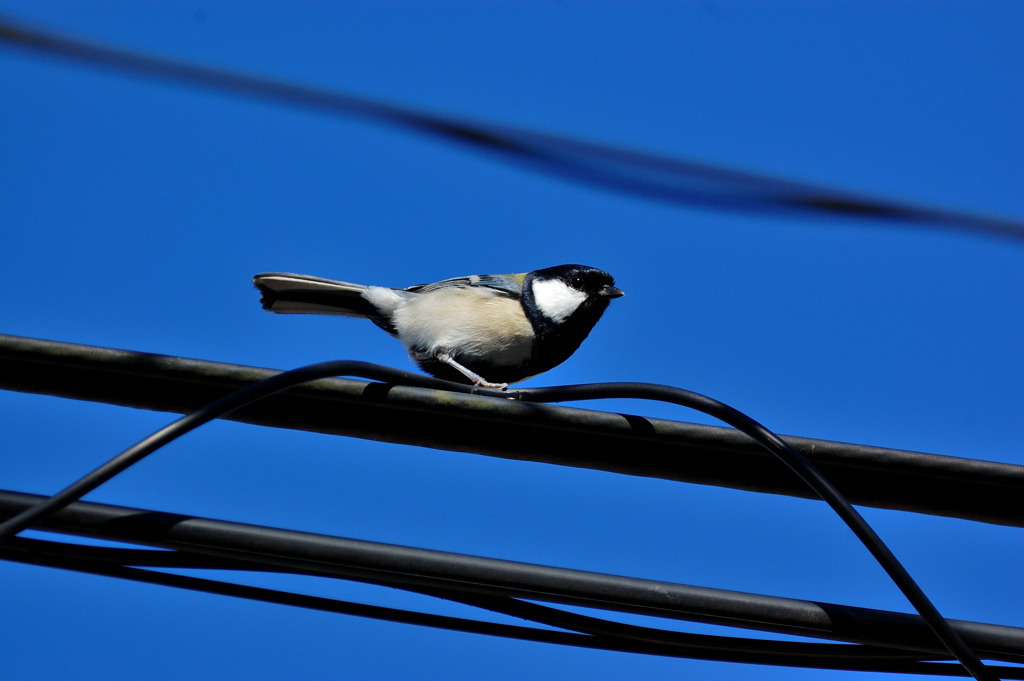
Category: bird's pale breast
[469,322]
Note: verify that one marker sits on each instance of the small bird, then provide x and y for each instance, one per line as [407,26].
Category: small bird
[507,327]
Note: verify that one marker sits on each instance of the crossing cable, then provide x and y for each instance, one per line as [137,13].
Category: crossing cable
[602,634]
[599,633]
[646,391]
[213,544]
[632,172]
[758,651]
[193,542]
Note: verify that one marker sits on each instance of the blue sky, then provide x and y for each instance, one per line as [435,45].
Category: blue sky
[134,214]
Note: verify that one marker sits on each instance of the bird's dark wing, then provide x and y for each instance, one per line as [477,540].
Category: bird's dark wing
[509,284]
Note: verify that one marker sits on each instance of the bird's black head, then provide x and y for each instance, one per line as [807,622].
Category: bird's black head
[591,281]
[563,303]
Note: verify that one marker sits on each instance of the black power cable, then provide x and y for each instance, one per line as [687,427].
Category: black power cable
[983,491]
[67,556]
[645,391]
[598,633]
[640,174]
[59,554]
[190,541]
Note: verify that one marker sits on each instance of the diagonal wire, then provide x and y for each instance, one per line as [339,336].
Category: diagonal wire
[193,542]
[592,632]
[45,552]
[650,176]
[217,408]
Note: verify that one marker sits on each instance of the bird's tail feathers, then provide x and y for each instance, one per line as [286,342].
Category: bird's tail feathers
[285,293]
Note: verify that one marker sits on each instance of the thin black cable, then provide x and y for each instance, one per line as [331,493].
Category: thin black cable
[50,553]
[216,409]
[398,566]
[59,554]
[595,633]
[761,651]
[636,173]
[802,467]
[646,391]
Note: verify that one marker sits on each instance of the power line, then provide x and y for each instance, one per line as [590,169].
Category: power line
[983,491]
[632,172]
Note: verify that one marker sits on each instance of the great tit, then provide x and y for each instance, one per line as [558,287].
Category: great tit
[507,327]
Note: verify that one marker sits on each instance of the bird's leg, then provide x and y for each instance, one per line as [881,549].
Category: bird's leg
[477,379]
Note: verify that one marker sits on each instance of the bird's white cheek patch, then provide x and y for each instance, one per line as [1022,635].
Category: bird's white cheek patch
[556,300]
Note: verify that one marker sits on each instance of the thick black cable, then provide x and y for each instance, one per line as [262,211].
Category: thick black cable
[408,567]
[646,391]
[594,633]
[636,173]
[759,651]
[59,554]
[52,553]
[983,491]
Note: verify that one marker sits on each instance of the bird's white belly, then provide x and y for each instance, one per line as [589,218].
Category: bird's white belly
[475,324]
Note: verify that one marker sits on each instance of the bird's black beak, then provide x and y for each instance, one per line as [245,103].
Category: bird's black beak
[610,292]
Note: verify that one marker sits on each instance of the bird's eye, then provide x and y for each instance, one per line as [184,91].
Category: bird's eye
[576,281]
